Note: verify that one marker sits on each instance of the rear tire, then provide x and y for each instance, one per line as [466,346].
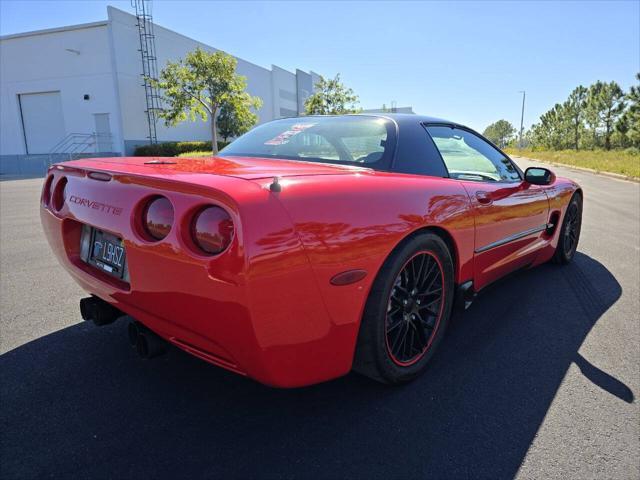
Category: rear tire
[407,311]
[570,232]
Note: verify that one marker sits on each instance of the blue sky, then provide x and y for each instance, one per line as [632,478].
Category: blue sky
[464,61]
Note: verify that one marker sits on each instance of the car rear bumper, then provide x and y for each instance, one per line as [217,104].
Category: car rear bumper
[270,324]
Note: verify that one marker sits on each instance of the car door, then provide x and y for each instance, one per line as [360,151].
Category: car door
[510,214]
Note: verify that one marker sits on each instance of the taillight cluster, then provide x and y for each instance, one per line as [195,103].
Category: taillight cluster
[54,196]
[210,228]
[59,194]
[157,218]
[46,191]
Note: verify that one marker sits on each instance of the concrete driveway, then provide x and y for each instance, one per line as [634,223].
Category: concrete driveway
[539,379]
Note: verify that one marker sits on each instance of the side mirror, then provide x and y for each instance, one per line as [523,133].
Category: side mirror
[539,176]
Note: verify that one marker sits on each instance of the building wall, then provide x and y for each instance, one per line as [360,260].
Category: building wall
[285,97]
[102,60]
[73,62]
[304,87]
[170,46]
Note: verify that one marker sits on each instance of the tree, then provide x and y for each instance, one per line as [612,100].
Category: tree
[606,102]
[593,108]
[331,98]
[553,130]
[500,132]
[601,109]
[613,101]
[629,123]
[200,85]
[574,108]
[234,121]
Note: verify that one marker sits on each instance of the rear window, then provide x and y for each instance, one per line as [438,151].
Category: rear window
[352,140]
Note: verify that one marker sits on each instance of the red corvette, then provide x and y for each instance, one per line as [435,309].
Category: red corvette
[309,246]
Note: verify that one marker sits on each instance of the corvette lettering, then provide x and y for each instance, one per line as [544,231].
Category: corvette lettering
[103,207]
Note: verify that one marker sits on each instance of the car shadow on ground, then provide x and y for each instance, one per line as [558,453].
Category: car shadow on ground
[80,403]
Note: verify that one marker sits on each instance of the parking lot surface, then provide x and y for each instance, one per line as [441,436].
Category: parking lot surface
[538,379]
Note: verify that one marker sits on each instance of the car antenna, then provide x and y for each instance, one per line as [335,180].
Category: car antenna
[275,185]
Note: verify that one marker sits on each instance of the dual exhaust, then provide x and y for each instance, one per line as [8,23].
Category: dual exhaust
[98,311]
[146,343]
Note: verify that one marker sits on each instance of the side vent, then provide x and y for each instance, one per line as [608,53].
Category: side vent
[553,223]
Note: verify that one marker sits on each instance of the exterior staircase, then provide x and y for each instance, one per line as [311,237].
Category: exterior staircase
[71,147]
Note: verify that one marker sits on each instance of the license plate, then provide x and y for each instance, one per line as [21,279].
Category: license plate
[105,251]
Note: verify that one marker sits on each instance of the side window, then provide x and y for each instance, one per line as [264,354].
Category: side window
[468,157]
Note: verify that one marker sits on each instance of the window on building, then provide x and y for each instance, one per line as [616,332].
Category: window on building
[287,95]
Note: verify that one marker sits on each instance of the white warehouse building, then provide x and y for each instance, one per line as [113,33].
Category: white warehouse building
[79,88]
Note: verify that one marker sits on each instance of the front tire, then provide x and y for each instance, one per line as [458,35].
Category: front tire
[570,231]
[407,311]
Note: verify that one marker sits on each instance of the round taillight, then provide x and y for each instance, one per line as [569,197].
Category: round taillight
[157,218]
[46,191]
[212,230]
[59,194]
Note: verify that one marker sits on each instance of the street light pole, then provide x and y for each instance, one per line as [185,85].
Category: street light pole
[524,94]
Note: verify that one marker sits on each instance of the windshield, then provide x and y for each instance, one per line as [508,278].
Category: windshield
[352,140]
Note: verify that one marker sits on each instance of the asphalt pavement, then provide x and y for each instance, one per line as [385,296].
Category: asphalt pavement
[538,379]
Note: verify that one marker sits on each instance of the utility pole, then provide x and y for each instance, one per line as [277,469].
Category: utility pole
[524,94]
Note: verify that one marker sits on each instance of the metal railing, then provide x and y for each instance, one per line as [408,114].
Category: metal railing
[76,144]
[71,147]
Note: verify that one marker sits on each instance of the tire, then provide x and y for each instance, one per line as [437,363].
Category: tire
[570,232]
[404,300]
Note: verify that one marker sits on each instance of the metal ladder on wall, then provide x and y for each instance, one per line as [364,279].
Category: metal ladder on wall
[149,64]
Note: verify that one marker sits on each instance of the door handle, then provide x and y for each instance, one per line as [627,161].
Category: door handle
[484,197]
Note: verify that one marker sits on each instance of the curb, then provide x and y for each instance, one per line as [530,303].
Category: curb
[618,176]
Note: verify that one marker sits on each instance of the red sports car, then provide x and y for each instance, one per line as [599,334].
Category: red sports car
[309,246]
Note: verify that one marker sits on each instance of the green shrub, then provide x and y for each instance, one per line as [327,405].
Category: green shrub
[196,154]
[173,149]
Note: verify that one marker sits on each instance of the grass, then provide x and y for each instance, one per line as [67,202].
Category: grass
[624,162]
[196,154]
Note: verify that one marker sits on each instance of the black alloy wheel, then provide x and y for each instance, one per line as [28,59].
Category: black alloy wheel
[407,311]
[414,309]
[570,232]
